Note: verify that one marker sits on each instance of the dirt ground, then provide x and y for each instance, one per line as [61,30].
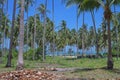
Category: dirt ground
[59,74]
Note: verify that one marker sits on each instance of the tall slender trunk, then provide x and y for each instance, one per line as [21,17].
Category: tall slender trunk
[32,40]
[110,60]
[53,27]
[34,37]
[2,39]
[3,34]
[20,62]
[77,29]
[83,37]
[1,13]
[4,51]
[27,32]
[44,40]
[0,26]
[83,18]
[11,37]
[44,30]
[0,16]
[95,32]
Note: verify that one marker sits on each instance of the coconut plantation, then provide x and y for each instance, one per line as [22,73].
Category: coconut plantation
[59,39]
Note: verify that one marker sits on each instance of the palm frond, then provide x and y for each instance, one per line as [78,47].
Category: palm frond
[101,3]
[112,2]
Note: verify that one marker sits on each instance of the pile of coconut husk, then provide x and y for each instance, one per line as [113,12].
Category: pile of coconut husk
[29,75]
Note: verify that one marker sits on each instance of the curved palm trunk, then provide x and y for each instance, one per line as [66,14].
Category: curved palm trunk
[110,60]
[96,40]
[11,37]
[21,38]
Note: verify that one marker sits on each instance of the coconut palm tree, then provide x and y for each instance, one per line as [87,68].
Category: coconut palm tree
[64,31]
[6,26]
[20,62]
[2,3]
[106,4]
[91,38]
[88,7]
[43,9]
[3,34]
[78,10]
[53,26]
[72,39]
[38,30]
[11,36]
[35,24]
[27,4]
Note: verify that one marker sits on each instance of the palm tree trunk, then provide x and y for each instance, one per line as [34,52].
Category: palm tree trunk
[3,36]
[77,29]
[11,37]
[83,18]
[83,45]
[2,39]
[27,32]
[53,27]
[110,60]
[20,62]
[34,36]
[1,13]
[44,30]
[0,16]
[44,40]
[4,51]
[96,40]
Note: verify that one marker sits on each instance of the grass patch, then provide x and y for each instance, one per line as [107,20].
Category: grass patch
[63,62]
[90,68]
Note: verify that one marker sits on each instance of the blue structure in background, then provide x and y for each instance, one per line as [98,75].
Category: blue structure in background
[71,50]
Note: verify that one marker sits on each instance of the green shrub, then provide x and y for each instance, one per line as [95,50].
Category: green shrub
[33,54]
[29,54]
[14,53]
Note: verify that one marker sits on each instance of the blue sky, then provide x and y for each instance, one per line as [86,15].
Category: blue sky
[63,13]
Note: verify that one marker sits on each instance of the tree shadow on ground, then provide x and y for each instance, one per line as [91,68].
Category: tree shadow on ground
[92,69]
[84,69]
[70,58]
